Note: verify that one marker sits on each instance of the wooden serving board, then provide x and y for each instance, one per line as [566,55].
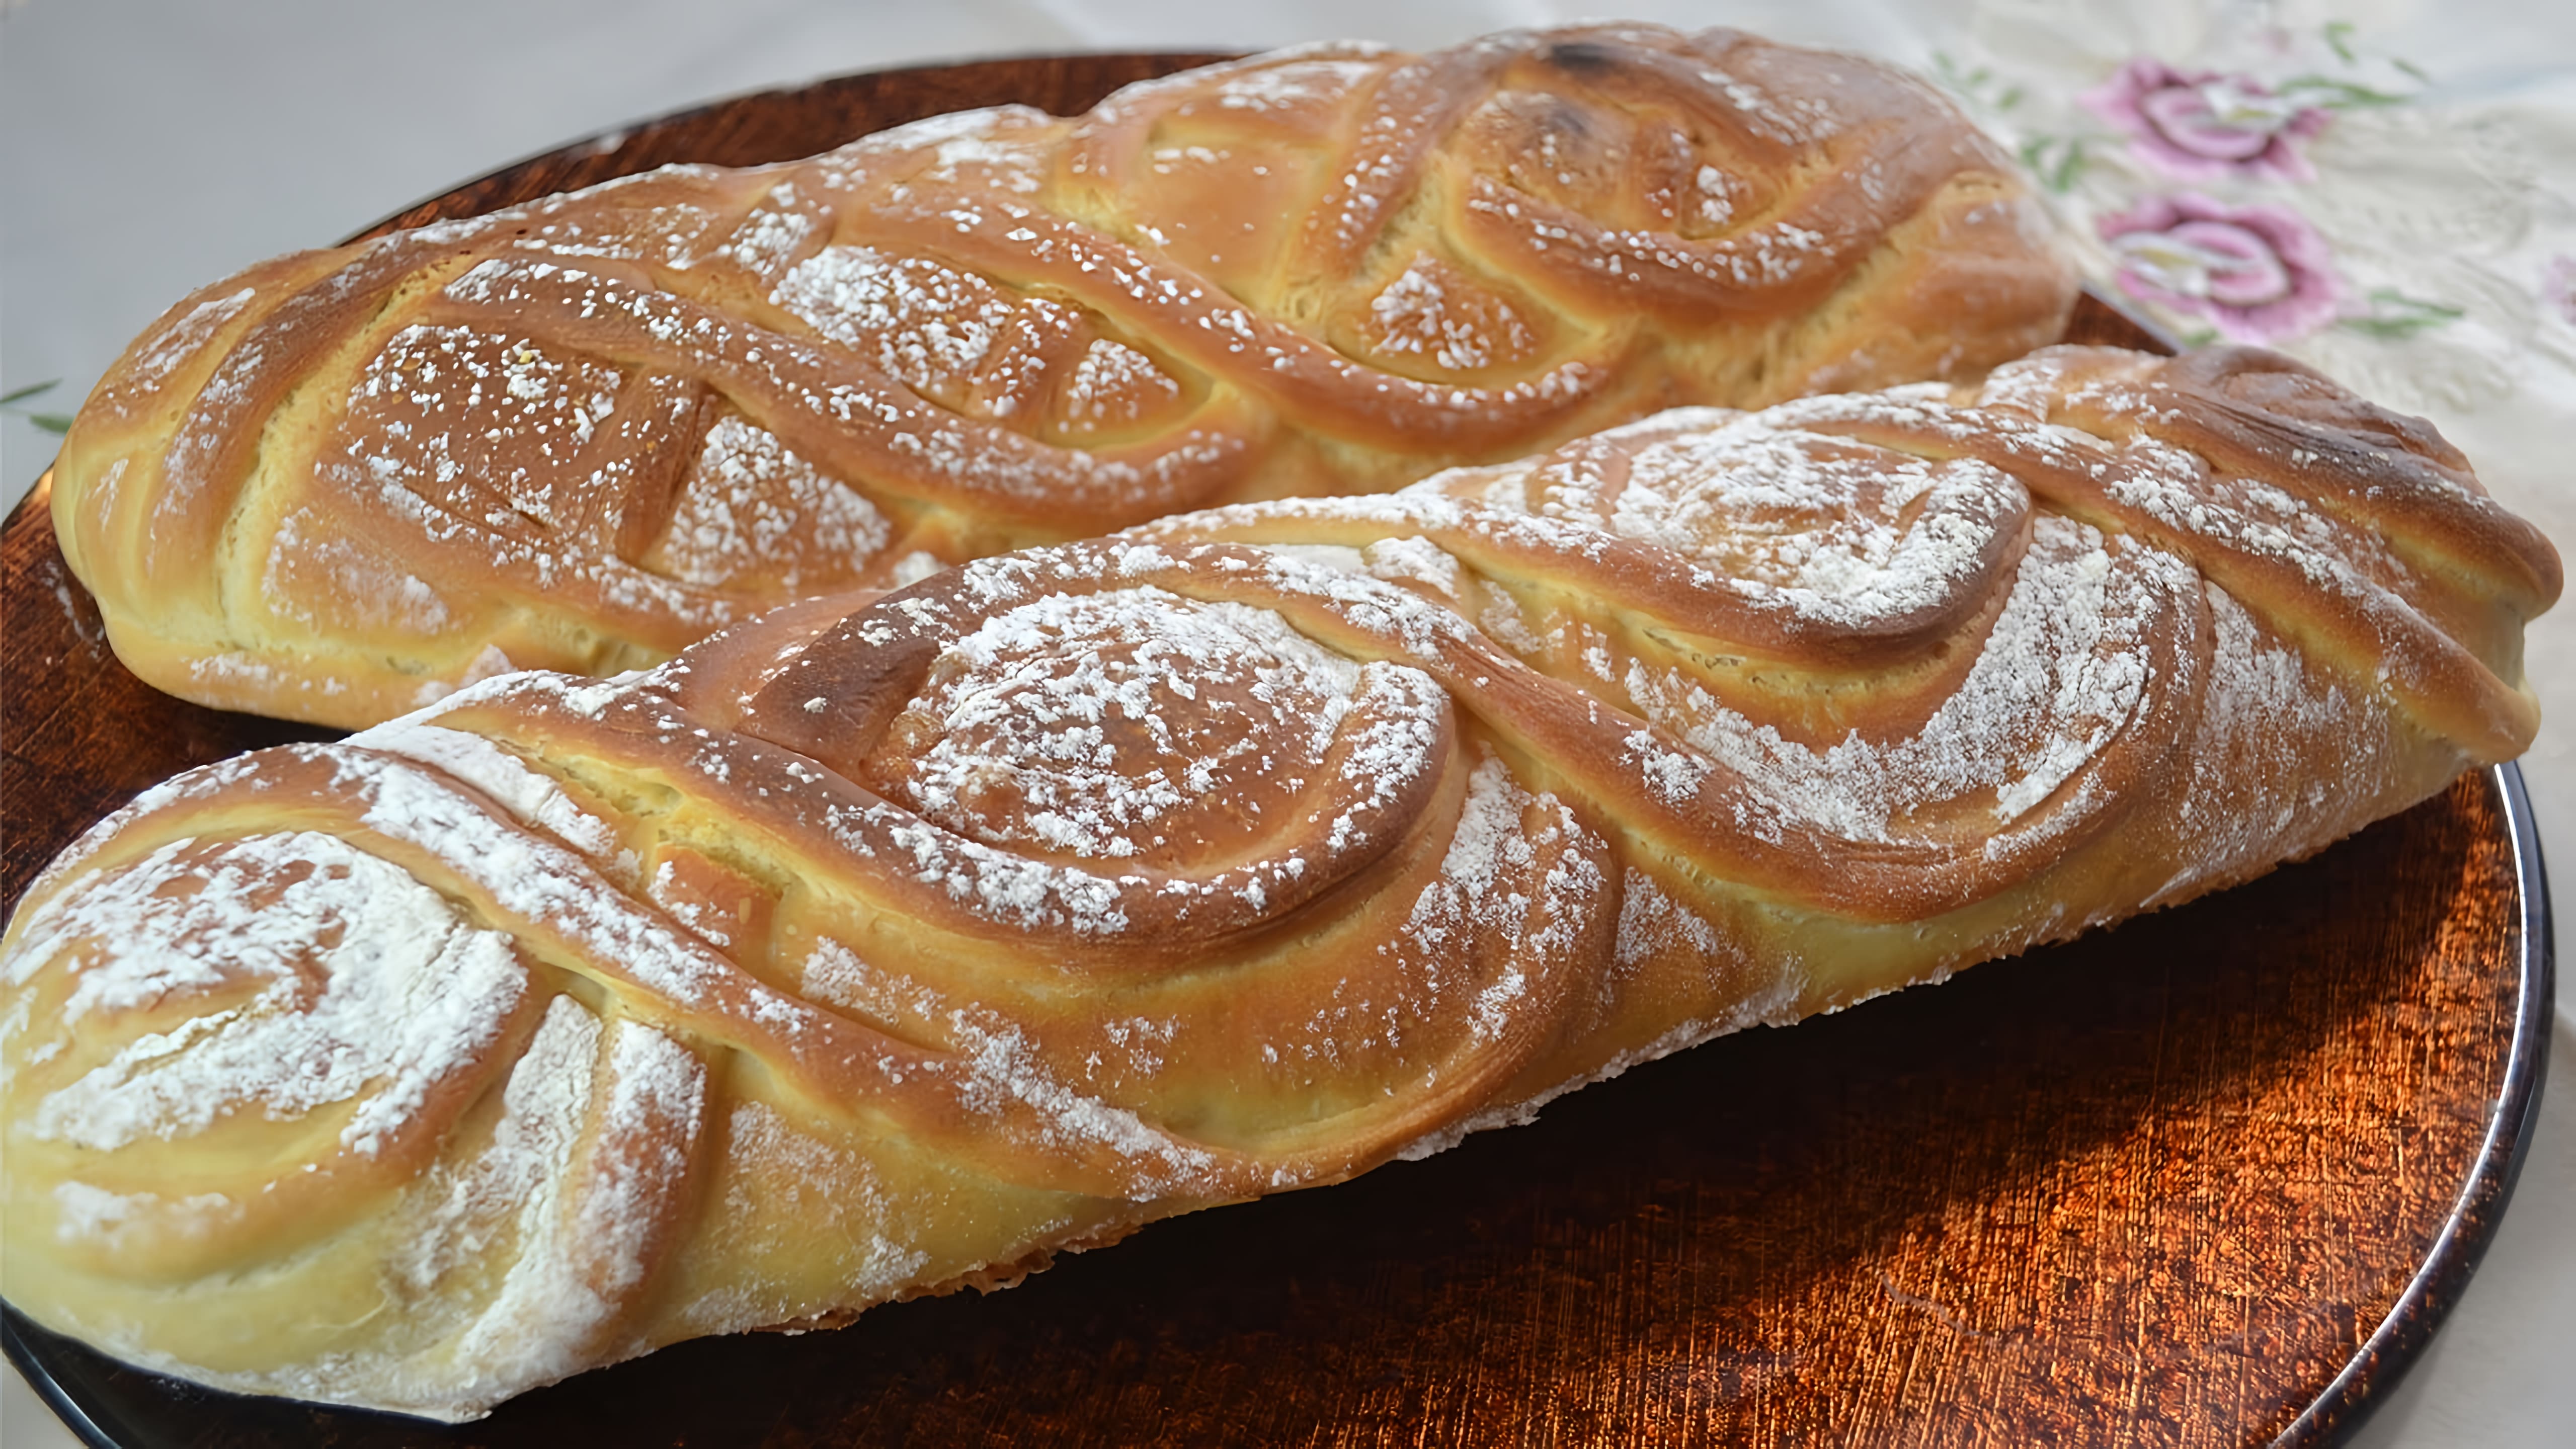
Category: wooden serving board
[2209,1179]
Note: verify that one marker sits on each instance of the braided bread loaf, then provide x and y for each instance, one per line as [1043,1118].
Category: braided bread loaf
[864,953]
[584,433]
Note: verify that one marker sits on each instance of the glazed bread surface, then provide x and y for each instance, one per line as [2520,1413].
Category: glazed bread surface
[876,949]
[584,433]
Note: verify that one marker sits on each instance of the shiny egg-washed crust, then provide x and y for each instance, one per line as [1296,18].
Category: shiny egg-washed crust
[879,948]
[584,433]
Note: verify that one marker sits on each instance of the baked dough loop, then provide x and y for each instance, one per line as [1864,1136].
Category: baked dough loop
[584,433]
[872,950]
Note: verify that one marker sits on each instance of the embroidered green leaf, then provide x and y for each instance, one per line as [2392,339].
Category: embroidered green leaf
[2394,316]
[51,422]
[2336,95]
[2389,329]
[2339,36]
[2056,160]
[1973,84]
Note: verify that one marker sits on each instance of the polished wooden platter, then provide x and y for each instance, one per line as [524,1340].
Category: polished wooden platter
[2209,1179]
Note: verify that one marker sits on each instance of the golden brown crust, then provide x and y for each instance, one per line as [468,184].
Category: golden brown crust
[893,944]
[583,433]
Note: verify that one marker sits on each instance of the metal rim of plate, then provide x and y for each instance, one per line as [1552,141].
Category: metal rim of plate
[2348,1400]
[2380,1364]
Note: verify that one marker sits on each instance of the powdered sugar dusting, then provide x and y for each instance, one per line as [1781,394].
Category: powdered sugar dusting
[787,1180]
[1430,312]
[592,1153]
[544,1313]
[527,794]
[1003,1067]
[536,880]
[754,515]
[1515,858]
[946,334]
[366,588]
[2267,712]
[494,454]
[1114,384]
[1295,85]
[516,1181]
[182,339]
[1841,533]
[1415,561]
[341,978]
[2061,673]
[773,237]
[1080,723]
[87,1213]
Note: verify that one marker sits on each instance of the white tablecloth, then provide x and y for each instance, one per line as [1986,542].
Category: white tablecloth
[150,146]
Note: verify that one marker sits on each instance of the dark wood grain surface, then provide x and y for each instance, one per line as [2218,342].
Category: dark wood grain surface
[2208,1179]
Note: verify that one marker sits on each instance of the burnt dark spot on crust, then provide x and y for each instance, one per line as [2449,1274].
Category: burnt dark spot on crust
[1564,118]
[1582,57]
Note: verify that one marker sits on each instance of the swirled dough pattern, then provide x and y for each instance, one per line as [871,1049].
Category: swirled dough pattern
[869,951]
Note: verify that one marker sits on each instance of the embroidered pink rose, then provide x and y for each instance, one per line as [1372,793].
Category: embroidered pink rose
[2558,288]
[2202,125]
[2258,273]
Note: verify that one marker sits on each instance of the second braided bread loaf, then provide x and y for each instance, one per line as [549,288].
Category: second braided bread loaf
[583,433]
